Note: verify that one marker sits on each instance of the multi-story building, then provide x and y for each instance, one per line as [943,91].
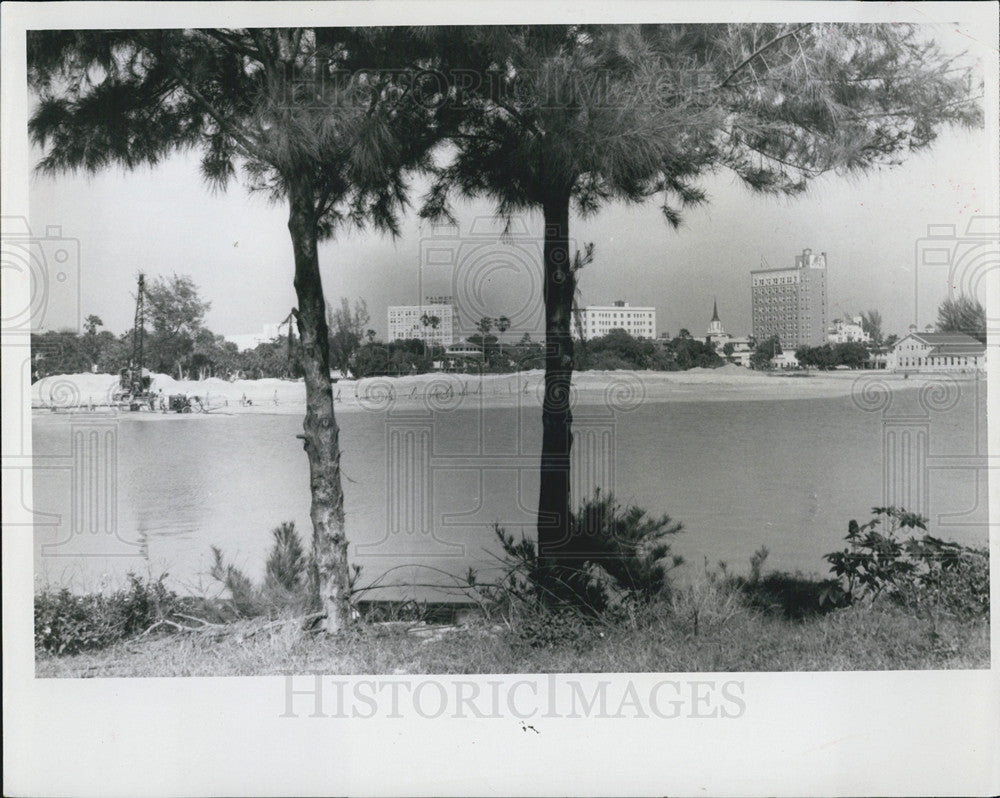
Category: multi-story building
[791,303]
[599,320]
[845,331]
[407,321]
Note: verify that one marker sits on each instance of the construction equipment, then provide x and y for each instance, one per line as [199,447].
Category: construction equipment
[182,403]
[134,381]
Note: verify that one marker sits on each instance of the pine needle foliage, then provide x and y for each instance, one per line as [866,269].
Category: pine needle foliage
[270,106]
[627,560]
[557,118]
[287,584]
[625,113]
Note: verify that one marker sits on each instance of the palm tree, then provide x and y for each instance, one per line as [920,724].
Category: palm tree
[577,116]
[503,324]
[299,110]
[425,320]
[484,325]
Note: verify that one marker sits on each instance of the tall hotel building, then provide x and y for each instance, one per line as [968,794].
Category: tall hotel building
[791,303]
[599,320]
[407,321]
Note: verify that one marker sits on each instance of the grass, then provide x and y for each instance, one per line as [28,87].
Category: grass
[703,627]
[911,605]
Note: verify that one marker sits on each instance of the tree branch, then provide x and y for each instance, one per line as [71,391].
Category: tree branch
[232,42]
[252,149]
[267,54]
[527,123]
[760,50]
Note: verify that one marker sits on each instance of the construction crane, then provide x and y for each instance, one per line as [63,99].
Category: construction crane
[134,380]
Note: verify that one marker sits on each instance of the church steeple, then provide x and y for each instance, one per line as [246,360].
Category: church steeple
[715,330]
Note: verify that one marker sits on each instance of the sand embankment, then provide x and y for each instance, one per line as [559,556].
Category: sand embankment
[620,390]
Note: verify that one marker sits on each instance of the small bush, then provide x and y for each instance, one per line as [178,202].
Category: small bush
[287,581]
[289,578]
[286,569]
[949,577]
[920,573]
[66,623]
[623,559]
[795,596]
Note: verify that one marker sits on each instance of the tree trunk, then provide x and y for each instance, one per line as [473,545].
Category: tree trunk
[321,435]
[554,544]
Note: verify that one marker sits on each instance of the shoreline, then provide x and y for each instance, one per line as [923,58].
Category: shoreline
[621,391]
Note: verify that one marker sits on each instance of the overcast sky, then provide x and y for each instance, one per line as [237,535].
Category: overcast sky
[237,249]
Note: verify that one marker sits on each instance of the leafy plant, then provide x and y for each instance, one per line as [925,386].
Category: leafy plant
[66,623]
[949,576]
[874,558]
[924,572]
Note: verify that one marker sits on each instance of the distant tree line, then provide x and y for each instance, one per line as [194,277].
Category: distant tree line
[853,354]
[178,343]
[963,314]
[175,341]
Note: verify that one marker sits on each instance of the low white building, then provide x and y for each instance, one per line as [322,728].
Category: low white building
[785,360]
[742,349]
[933,351]
[598,320]
[268,333]
[845,331]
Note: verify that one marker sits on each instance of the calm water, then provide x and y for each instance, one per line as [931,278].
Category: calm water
[423,489]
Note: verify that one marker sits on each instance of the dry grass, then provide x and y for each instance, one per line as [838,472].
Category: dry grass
[702,629]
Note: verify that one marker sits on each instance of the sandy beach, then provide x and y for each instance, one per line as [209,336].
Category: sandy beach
[620,390]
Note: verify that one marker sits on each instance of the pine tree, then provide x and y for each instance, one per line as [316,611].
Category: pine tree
[300,113]
[574,117]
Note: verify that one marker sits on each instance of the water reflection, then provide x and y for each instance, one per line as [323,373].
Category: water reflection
[739,474]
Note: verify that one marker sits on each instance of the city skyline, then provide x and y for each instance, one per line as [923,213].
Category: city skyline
[870,227]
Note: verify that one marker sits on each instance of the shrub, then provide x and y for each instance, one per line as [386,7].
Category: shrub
[919,573]
[289,579]
[624,560]
[245,598]
[795,596]
[948,576]
[874,558]
[66,623]
[286,571]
